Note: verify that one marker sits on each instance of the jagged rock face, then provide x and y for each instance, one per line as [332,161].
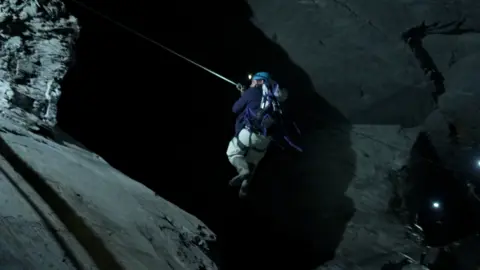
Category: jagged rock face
[378,64]
[36,48]
[78,212]
[64,206]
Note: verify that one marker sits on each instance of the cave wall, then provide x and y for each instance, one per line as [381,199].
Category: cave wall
[63,206]
[361,78]
[377,64]
[355,54]
[36,46]
[32,236]
[119,223]
[94,216]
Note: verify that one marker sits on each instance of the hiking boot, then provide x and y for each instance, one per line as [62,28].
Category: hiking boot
[243,189]
[237,180]
[243,172]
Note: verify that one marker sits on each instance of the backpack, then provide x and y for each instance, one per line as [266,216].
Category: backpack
[270,112]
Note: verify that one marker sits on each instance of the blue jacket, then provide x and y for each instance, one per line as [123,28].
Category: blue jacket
[251,98]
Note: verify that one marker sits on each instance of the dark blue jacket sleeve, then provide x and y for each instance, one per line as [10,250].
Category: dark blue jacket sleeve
[242,102]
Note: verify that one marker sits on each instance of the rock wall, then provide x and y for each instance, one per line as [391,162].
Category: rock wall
[94,216]
[64,207]
[382,63]
[355,54]
[36,46]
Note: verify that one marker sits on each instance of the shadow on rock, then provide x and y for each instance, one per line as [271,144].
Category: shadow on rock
[297,211]
[302,195]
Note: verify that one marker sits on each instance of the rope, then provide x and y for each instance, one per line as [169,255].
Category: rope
[133,31]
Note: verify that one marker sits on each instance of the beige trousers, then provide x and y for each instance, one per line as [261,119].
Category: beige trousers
[247,148]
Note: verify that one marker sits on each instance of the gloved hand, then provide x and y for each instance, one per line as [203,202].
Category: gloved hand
[240,87]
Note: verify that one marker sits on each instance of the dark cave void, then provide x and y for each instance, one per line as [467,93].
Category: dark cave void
[166,123]
[430,182]
[146,111]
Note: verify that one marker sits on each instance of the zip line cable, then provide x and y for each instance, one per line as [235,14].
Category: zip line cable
[133,31]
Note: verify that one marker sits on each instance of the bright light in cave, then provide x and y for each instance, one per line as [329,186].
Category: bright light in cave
[436,205]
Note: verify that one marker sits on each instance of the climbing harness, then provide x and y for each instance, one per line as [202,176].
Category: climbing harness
[133,31]
[270,113]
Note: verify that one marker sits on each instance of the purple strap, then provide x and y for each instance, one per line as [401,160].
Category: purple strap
[292,144]
[296,128]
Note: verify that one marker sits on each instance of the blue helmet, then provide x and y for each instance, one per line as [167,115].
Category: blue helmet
[261,76]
